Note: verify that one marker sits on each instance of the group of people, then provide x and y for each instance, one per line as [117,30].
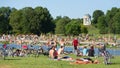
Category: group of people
[85,52]
[53,42]
[18,39]
[54,54]
[57,54]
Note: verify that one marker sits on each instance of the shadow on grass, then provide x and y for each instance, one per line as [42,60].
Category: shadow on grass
[115,63]
[12,59]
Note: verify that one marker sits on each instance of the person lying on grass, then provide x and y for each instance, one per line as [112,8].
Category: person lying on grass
[53,54]
[85,61]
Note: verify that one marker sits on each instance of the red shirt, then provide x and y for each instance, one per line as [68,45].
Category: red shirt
[24,46]
[75,42]
[55,53]
[4,46]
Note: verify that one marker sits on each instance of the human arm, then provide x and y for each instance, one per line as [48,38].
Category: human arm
[51,52]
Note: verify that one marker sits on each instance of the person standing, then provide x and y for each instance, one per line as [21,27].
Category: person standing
[75,43]
[4,46]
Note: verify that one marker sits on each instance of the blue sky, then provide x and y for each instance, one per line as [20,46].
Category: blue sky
[70,8]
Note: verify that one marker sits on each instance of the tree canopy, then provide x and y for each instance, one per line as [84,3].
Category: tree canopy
[29,20]
[39,20]
[4,20]
[73,28]
[96,15]
[60,25]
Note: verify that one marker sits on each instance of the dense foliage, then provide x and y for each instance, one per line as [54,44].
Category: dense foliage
[110,22]
[39,20]
[60,25]
[73,28]
[29,20]
[4,20]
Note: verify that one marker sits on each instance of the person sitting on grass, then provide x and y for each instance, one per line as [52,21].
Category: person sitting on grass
[60,50]
[91,51]
[53,54]
[85,51]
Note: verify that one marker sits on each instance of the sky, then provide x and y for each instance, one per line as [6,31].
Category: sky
[70,8]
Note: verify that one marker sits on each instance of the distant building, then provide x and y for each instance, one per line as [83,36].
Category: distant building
[87,19]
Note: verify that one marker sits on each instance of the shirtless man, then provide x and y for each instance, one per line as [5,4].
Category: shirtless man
[53,53]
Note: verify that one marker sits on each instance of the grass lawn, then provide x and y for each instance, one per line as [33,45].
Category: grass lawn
[45,62]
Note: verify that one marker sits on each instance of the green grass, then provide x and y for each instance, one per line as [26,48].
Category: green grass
[92,30]
[45,62]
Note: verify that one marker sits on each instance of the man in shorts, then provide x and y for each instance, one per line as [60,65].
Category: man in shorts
[75,43]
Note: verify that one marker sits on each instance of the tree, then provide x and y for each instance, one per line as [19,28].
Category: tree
[102,25]
[73,28]
[84,29]
[15,21]
[116,20]
[96,15]
[60,25]
[109,19]
[29,20]
[57,18]
[44,20]
[4,20]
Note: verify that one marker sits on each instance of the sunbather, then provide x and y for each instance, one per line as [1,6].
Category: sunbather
[85,61]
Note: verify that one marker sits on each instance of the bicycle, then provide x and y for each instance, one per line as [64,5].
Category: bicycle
[107,57]
[2,53]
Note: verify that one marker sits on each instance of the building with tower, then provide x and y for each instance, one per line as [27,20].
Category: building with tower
[86,19]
